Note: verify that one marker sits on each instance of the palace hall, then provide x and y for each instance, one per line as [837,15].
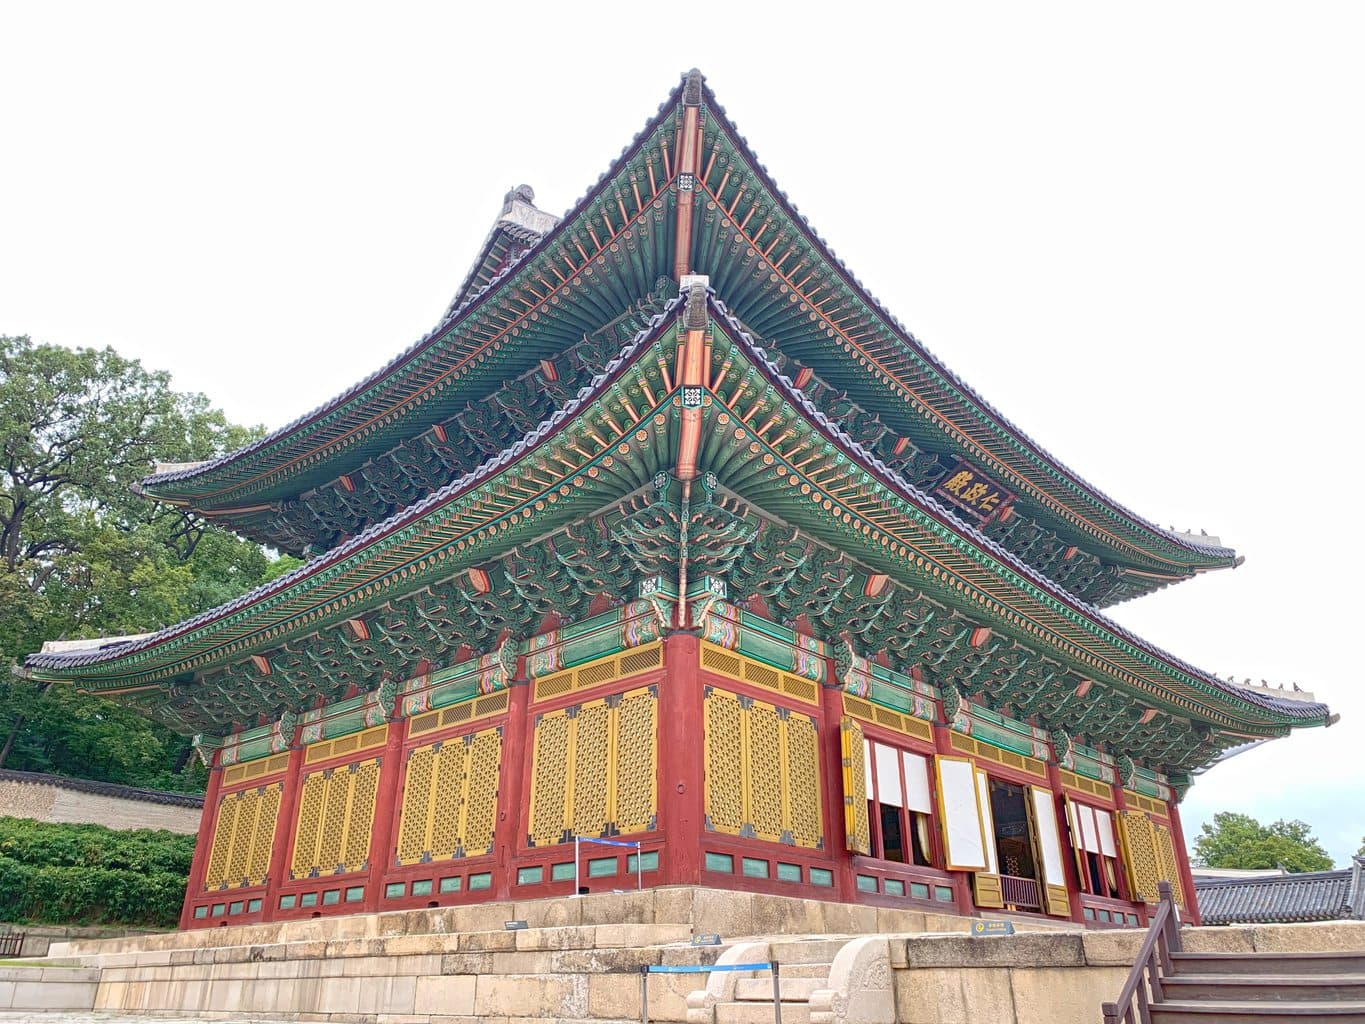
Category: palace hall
[670,534]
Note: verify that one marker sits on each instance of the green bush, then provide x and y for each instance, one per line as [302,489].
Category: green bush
[89,874]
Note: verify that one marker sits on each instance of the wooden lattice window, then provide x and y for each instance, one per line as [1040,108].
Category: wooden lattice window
[243,836]
[450,798]
[336,814]
[762,771]
[594,769]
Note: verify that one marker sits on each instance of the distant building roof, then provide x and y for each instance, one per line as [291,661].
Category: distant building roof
[1312,896]
[151,796]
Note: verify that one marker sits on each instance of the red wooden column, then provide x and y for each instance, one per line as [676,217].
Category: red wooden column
[680,761]
[962,883]
[386,809]
[513,820]
[1073,882]
[832,784]
[1182,854]
[208,820]
[278,871]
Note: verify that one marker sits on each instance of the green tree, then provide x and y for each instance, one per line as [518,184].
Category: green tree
[1240,841]
[81,555]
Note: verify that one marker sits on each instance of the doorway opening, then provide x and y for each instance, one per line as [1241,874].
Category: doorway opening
[1015,850]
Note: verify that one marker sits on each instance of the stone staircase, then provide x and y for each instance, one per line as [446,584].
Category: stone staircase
[821,980]
[1262,988]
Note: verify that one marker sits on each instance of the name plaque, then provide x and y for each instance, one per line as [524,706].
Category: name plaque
[971,490]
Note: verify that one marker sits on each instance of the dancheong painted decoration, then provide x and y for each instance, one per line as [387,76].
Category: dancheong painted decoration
[670,533]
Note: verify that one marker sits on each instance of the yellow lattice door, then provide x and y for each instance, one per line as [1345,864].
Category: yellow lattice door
[724,762]
[1166,858]
[637,725]
[336,813]
[243,837]
[221,849]
[762,771]
[1139,854]
[592,781]
[418,814]
[593,769]
[550,781]
[483,758]
[802,775]
[851,745]
[450,798]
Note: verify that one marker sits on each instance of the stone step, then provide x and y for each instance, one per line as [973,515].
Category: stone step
[1261,963]
[812,970]
[794,990]
[1280,987]
[807,951]
[761,1013]
[1220,1012]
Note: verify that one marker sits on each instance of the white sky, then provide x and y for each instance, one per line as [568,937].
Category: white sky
[1135,230]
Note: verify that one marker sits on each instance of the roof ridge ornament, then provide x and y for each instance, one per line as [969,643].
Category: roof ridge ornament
[692,86]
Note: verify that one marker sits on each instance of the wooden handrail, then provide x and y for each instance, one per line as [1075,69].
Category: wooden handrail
[1143,986]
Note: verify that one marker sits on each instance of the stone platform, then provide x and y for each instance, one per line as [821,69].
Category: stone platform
[579,959]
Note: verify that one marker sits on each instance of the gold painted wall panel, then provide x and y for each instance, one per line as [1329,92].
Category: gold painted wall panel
[594,769]
[762,771]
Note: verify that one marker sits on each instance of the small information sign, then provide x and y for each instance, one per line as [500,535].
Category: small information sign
[985,928]
[706,940]
[515,926]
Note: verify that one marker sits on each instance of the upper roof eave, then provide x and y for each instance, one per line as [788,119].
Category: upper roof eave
[1212,556]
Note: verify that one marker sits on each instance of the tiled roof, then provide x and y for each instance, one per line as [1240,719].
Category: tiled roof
[1302,710]
[1312,896]
[147,796]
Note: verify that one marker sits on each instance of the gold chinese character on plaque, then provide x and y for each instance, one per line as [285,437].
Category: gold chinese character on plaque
[967,488]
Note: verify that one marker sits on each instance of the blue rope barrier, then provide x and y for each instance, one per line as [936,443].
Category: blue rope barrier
[633,845]
[703,968]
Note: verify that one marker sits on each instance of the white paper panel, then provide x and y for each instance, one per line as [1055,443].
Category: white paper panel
[888,776]
[867,766]
[983,795]
[1049,843]
[917,783]
[961,824]
[1090,835]
[1107,846]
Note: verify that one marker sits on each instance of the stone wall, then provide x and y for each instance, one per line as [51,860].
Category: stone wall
[579,960]
[75,802]
[1062,978]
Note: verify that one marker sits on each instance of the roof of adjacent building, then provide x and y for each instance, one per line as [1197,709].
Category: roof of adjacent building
[112,789]
[1279,899]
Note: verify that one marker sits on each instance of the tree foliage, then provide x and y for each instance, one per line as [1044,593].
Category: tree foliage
[1240,841]
[89,874]
[82,555]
